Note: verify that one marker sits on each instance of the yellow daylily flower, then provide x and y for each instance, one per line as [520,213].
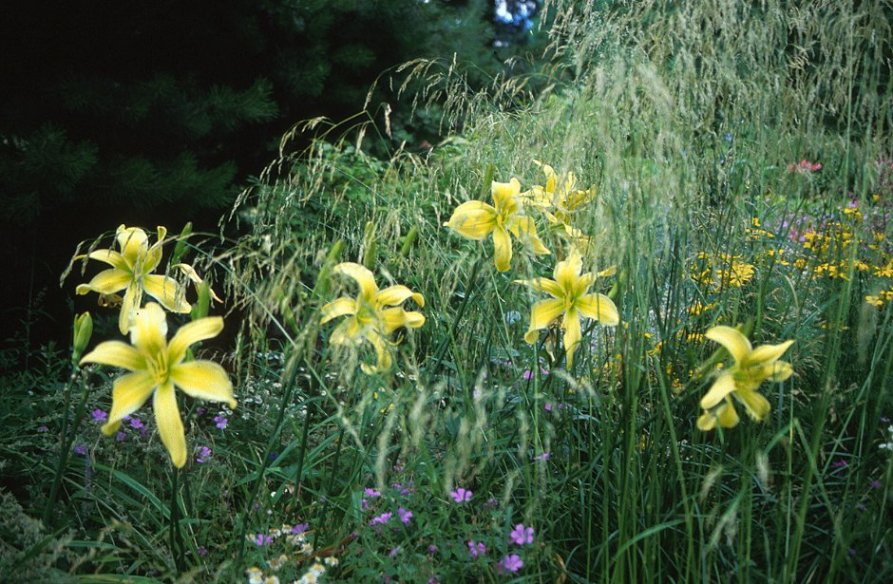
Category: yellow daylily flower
[476,220]
[570,298]
[156,367]
[131,271]
[374,314]
[752,367]
[564,201]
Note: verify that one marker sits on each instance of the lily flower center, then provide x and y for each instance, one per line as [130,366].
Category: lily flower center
[158,367]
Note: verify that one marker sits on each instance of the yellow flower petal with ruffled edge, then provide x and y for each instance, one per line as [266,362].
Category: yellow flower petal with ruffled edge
[204,380]
[474,220]
[191,333]
[116,354]
[106,282]
[129,393]
[521,226]
[732,339]
[543,285]
[726,415]
[133,243]
[110,257]
[132,300]
[395,318]
[148,333]
[504,195]
[756,406]
[170,426]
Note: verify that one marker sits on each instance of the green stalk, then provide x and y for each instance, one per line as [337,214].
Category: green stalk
[65,440]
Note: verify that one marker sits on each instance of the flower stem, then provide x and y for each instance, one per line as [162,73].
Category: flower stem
[65,441]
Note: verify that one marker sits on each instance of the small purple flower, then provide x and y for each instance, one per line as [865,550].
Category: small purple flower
[80,450]
[99,416]
[381,519]
[476,548]
[461,495]
[548,406]
[372,493]
[120,436]
[404,491]
[221,421]
[299,528]
[840,463]
[202,551]
[512,563]
[521,535]
[262,539]
[364,503]
[528,375]
[875,484]
[394,551]
[136,423]
[544,456]
[42,429]
[405,516]
[200,411]
[204,454]
[491,502]
[432,549]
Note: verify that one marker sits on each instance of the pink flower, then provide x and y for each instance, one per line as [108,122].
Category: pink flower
[461,495]
[521,535]
[512,563]
[381,519]
[476,548]
[405,516]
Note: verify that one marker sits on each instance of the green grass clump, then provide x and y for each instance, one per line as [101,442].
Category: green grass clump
[739,158]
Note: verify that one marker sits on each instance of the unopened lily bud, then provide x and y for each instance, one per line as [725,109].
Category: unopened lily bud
[370,248]
[200,308]
[83,330]
[180,248]
[408,241]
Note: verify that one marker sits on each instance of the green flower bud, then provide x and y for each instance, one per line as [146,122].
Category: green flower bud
[83,330]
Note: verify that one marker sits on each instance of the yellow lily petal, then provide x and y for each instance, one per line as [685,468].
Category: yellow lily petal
[502,249]
[345,332]
[537,197]
[706,422]
[755,404]
[167,291]
[129,393]
[133,242]
[567,271]
[723,386]
[107,282]
[572,334]
[338,307]
[504,194]
[543,285]
[170,426]
[361,275]
[732,339]
[116,354]
[525,226]
[394,295]
[153,256]
[111,258]
[191,333]
[204,380]
[129,305]
[149,330]
[767,353]
[600,308]
[541,315]
[474,220]
[383,359]
[727,416]
[779,371]
[395,318]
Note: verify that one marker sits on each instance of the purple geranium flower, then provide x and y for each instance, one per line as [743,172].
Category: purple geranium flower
[476,548]
[98,416]
[381,519]
[204,454]
[405,516]
[221,421]
[461,495]
[521,535]
[512,563]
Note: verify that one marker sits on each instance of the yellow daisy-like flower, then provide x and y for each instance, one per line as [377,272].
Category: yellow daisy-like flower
[752,367]
[476,220]
[570,298]
[156,367]
[374,314]
[131,271]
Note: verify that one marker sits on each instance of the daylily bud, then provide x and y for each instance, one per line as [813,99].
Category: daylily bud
[180,248]
[200,308]
[408,241]
[322,280]
[370,248]
[83,330]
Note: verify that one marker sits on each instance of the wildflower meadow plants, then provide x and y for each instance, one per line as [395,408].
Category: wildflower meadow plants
[562,405]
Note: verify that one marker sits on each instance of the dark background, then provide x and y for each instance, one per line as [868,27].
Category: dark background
[159,112]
